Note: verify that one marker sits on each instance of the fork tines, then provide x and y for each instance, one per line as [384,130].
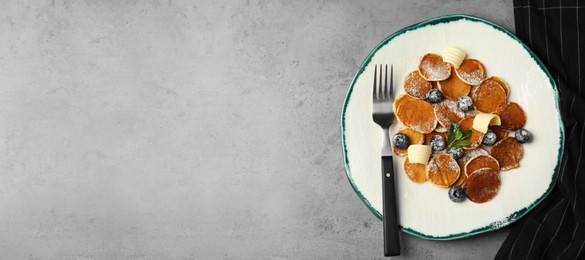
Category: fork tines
[383,88]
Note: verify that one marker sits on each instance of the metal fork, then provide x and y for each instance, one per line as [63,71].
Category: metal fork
[383,115]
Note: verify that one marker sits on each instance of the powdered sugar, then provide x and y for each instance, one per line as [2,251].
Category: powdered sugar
[440,128]
[416,86]
[471,72]
[470,154]
[442,170]
[446,112]
[473,78]
[423,126]
[433,68]
[441,162]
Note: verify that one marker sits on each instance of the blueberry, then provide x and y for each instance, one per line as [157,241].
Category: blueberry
[456,152]
[523,136]
[438,143]
[489,138]
[435,96]
[400,140]
[464,103]
[456,194]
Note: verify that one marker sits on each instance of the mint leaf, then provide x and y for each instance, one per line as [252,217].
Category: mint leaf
[466,134]
[458,135]
[460,143]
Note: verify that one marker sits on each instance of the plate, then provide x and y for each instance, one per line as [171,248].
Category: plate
[425,210]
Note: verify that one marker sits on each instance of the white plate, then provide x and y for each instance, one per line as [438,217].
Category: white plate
[425,209]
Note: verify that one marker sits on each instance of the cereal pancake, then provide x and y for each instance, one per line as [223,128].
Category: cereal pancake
[502,83]
[482,185]
[415,171]
[417,86]
[476,136]
[398,101]
[482,161]
[470,154]
[432,67]
[471,71]
[512,115]
[413,136]
[508,152]
[443,170]
[488,96]
[453,87]
[446,113]
[417,114]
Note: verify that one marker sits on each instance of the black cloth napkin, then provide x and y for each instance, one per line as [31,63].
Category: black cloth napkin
[555,229]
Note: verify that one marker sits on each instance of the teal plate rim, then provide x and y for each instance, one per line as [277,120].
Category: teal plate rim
[497,224]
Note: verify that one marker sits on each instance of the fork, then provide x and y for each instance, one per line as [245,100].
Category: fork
[383,115]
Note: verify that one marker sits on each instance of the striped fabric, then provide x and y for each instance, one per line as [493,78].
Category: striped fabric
[555,229]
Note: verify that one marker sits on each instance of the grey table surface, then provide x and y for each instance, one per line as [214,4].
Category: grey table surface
[193,129]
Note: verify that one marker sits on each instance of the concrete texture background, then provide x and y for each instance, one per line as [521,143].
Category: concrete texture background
[193,129]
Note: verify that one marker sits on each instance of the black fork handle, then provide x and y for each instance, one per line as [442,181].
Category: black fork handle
[390,215]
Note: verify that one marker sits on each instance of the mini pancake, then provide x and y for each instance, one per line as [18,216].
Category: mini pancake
[432,67]
[430,135]
[470,154]
[500,132]
[508,152]
[415,171]
[482,161]
[476,136]
[417,114]
[471,72]
[462,178]
[443,170]
[446,113]
[482,185]
[441,129]
[414,137]
[502,83]
[453,87]
[488,96]
[512,115]
[417,86]
[398,101]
